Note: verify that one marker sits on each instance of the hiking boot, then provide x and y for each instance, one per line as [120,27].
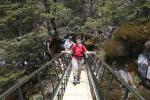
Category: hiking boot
[78,81]
[75,81]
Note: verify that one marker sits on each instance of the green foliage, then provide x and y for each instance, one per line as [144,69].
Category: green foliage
[92,24]
[117,11]
[76,6]
[7,79]
[23,47]
[108,11]
[18,18]
[61,14]
[21,22]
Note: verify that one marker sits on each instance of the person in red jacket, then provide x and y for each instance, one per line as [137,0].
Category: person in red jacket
[78,50]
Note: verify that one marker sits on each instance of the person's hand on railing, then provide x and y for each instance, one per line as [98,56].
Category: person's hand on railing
[66,51]
[90,52]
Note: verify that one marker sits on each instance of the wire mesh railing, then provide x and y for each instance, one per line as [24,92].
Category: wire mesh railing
[46,83]
[50,80]
[107,84]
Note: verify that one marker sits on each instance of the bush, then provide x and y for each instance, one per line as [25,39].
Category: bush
[133,31]
[114,48]
[128,40]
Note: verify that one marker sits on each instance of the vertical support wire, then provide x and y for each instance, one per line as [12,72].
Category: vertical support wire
[58,96]
[63,85]
[57,76]
[50,77]
[59,70]
[20,93]
[125,97]
[40,85]
[101,77]
[64,62]
[62,90]
[99,73]
[98,68]
[60,65]
[102,70]
[109,86]
[95,68]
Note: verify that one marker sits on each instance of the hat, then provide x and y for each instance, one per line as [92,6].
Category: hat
[78,37]
[70,37]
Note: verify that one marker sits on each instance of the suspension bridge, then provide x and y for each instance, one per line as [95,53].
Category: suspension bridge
[53,81]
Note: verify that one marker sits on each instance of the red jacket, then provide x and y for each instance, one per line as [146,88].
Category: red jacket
[78,51]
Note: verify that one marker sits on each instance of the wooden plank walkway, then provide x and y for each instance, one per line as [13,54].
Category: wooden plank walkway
[80,91]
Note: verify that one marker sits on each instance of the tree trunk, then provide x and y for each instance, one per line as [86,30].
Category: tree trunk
[45,2]
[54,27]
[87,4]
[51,21]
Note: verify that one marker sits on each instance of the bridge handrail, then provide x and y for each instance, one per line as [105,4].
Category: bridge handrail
[116,74]
[21,82]
[59,84]
[98,95]
[96,92]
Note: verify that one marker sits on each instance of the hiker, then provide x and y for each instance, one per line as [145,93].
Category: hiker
[68,43]
[78,50]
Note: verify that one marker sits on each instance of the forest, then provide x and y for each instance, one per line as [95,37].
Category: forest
[117,30]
